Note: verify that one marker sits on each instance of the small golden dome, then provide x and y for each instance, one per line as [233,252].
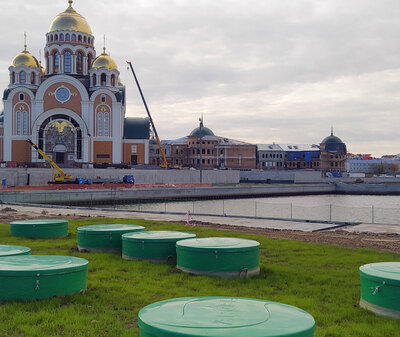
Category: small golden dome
[25,59]
[104,61]
[70,20]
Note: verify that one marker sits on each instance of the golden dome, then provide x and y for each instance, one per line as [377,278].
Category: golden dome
[70,20]
[104,61]
[25,59]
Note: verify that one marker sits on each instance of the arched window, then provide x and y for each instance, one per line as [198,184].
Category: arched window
[103,98]
[18,122]
[12,77]
[67,37]
[73,37]
[56,62]
[67,62]
[61,37]
[47,63]
[21,97]
[25,123]
[56,37]
[79,37]
[89,61]
[94,78]
[100,124]
[79,63]
[106,124]
[22,77]
[89,40]
[84,39]
[33,77]
[113,80]
[51,37]
[103,79]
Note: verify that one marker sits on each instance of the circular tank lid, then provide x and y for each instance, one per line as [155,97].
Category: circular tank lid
[224,316]
[158,236]
[110,228]
[219,243]
[6,250]
[39,222]
[36,265]
[382,271]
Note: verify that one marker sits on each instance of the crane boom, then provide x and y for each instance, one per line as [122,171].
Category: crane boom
[61,174]
[165,163]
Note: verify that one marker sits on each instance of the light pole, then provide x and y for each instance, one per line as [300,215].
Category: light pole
[201,149]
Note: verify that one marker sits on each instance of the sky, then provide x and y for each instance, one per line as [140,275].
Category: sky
[259,71]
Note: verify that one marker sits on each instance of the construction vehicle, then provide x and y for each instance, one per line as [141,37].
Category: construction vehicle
[164,163]
[59,177]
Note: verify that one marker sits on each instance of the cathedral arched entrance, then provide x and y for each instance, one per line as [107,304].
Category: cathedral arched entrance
[60,137]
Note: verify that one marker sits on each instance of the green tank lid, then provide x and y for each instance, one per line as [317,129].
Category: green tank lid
[42,222]
[389,272]
[224,317]
[158,236]
[6,250]
[219,243]
[32,265]
[110,228]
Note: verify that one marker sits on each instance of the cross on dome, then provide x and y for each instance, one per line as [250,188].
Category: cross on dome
[70,3]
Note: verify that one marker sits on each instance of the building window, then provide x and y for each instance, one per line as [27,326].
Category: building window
[73,37]
[89,61]
[100,124]
[79,63]
[22,77]
[18,122]
[56,37]
[133,148]
[12,77]
[25,123]
[67,62]
[21,97]
[80,38]
[103,79]
[106,124]
[103,98]
[113,80]
[61,37]
[32,78]
[84,39]
[56,62]
[94,80]
[67,37]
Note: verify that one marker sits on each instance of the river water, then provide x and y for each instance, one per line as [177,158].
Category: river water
[335,208]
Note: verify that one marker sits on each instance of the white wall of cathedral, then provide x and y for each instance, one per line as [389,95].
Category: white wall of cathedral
[16,78]
[104,78]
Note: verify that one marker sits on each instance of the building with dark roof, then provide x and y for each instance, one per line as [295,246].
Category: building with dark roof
[332,155]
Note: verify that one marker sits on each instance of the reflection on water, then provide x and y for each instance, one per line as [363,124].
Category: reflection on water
[344,208]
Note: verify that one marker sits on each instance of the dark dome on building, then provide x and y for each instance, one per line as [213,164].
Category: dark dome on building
[204,132]
[334,144]
[136,128]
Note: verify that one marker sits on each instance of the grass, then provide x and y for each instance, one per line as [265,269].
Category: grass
[321,279]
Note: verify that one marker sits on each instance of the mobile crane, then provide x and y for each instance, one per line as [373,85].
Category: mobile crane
[164,164]
[59,177]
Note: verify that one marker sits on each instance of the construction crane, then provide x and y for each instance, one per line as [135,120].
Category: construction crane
[164,164]
[58,177]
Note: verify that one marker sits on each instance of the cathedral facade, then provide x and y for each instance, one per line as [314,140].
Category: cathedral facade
[74,107]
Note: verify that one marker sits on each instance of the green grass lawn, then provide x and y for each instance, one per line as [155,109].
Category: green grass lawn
[321,279]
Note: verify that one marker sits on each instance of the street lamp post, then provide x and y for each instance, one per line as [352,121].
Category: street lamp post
[201,149]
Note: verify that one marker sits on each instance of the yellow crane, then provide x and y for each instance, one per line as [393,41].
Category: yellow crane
[165,163]
[58,177]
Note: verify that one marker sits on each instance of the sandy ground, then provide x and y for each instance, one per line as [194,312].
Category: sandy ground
[382,238]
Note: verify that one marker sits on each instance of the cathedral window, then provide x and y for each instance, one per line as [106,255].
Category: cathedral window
[103,98]
[106,124]
[22,77]
[21,97]
[56,62]
[67,37]
[89,61]
[25,123]
[19,122]
[12,77]
[33,78]
[113,80]
[61,37]
[80,38]
[79,63]
[103,78]
[56,37]
[100,124]
[84,39]
[94,80]
[67,62]
[51,37]
[73,37]
[89,40]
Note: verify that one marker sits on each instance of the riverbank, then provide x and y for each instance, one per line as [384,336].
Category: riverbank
[385,238]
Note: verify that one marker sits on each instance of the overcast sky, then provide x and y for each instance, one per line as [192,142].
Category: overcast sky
[260,71]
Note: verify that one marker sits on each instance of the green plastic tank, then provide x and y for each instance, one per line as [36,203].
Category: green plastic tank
[27,277]
[48,228]
[223,317]
[104,238]
[152,245]
[380,288]
[219,256]
[6,250]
